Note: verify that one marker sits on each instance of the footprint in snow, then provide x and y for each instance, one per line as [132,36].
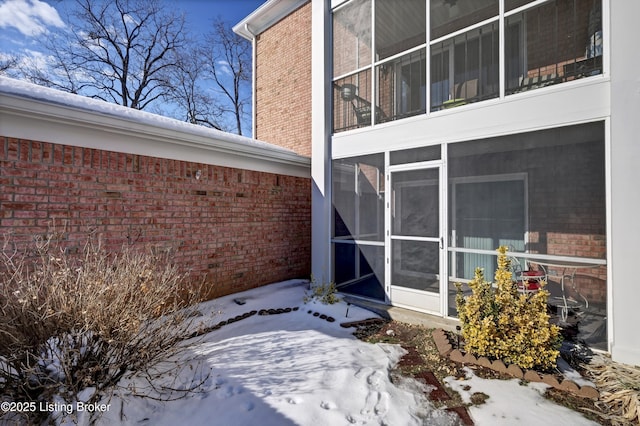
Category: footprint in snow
[364,371]
[248,405]
[375,378]
[295,400]
[382,406]
[328,405]
[370,402]
[225,392]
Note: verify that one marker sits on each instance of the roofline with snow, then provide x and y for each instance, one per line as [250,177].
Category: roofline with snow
[265,16]
[28,111]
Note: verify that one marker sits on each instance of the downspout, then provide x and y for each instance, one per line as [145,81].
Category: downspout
[253,80]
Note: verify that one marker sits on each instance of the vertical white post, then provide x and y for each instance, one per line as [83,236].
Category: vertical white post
[624,226]
[320,141]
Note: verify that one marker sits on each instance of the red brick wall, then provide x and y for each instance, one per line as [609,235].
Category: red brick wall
[557,35]
[283,83]
[238,228]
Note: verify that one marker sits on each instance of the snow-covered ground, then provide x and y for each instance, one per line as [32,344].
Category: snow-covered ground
[298,369]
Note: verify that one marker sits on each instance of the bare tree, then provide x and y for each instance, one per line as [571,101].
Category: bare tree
[119,51]
[193,103]
[229,67]
[8,62]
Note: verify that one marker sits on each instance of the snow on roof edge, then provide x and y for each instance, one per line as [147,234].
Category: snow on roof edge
[10,86]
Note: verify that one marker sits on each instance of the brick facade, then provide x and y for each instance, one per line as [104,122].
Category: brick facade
[238,228]
[283,83]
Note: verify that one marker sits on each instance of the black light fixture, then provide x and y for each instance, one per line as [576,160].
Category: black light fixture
[348,92]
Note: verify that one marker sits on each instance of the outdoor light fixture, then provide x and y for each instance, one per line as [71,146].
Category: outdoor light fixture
[198,174]
[348,92]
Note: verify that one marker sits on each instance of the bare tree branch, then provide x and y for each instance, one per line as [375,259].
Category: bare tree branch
[229,67]
[118,51]
[196,106]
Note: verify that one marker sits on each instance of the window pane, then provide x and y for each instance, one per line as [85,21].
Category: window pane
[352,102]
[448,16]
[400,25]
[464,69]
[402,87]
[555,42]
[540,193]
[358,198]
[351,37]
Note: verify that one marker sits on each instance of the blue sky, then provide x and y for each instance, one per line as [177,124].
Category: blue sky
[23,21]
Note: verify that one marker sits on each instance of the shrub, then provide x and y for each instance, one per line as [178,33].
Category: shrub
[498,322]
[72,324]
[325,293]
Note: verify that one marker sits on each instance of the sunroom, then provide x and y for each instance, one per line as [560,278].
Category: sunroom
[380,51]
[410,219]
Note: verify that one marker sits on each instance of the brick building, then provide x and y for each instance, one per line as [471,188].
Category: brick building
[281,85]
[441,130]
[231,210]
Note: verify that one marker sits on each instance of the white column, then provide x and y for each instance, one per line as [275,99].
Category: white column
[625,197]
[320,141]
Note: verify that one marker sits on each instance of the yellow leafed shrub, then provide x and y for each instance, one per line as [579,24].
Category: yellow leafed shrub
[498,322]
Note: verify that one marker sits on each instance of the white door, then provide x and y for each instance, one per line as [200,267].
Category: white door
[416,258]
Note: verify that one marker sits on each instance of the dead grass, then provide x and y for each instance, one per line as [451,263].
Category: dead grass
[70,322]
[619,387]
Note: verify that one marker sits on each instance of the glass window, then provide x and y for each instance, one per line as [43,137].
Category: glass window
[464,68]
[448,16]
[351,37]
[555,42]
[538,193]
[401,87]
[400,25]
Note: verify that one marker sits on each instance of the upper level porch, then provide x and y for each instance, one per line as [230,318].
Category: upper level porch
[391,62]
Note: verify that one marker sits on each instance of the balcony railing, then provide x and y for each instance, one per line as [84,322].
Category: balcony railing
[547,44]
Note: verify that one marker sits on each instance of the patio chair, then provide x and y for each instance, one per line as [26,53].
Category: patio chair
[527,281]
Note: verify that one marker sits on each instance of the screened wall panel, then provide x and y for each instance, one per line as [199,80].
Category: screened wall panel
[358,225]
[540,193]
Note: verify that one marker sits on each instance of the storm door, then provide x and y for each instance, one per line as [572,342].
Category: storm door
[415,237]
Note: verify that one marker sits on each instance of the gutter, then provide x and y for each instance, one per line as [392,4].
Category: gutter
[32,112]
[253,78]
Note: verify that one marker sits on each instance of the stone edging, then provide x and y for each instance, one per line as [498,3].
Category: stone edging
[277,311]
[446,349]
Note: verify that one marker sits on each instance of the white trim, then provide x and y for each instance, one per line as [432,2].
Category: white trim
[525,7]
[32,112]
[550,257]
[390,236]
[343,240]
[588,100]
[265,17]
[464,30]
[609,227]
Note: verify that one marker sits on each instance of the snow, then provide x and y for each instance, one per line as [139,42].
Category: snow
[512,403]
[14,87]
[298,369]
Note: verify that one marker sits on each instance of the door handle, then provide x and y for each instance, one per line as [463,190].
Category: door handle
[441,243]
